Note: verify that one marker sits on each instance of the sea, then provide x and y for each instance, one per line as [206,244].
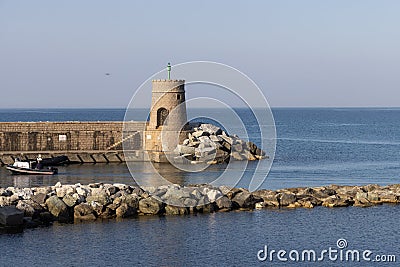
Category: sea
[314,147]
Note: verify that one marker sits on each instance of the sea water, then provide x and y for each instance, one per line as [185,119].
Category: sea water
[314,147]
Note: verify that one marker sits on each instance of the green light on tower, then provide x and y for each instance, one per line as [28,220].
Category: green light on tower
[169,71]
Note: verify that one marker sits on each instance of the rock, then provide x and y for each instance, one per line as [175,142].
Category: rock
[373,197]
[62,191]
[57,208]
[237,147]
[189,202]
[173,210]
[71,199]
[245,200]
[120,186]
[227,139]
[248,155]
[224,203]
[211,129]
[43,190]
[58,185]
[206,208]
[194,144]
[362,203]
[111,190]
[286,199]
[11,216]
[150,206]
[97,208]
[336,201]
[102,199]
[237,156]
[84,212]
[185,149]
[29,207]
[361,196]
[131,200]
[197,134]
[13,200]
[213,195]
[389,197]
[39,198]
[215,138]
[308,201]
[82,191]
[5,193]
[225,189]
[226,146]
[204,152]
[4,201]
[125,211]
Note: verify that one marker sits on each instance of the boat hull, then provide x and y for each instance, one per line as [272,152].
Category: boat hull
[17,170]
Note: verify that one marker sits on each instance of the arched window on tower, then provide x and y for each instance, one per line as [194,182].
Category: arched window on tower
[162,114]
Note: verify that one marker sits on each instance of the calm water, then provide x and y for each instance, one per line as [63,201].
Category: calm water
[315,147]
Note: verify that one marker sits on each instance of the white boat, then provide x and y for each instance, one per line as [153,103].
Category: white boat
[26,167]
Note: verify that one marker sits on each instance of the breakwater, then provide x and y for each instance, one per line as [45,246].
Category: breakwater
[68,203]
[84,142]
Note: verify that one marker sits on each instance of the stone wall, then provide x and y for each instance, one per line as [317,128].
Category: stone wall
[67,136]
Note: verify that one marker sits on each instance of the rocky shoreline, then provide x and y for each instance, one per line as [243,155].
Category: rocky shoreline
[38,206]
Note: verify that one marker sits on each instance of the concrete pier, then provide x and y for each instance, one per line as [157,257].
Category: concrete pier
[82,142]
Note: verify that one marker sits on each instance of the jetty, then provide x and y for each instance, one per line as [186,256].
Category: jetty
[39,206]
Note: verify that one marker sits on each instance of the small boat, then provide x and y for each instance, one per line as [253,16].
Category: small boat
[55,161]
[24,167]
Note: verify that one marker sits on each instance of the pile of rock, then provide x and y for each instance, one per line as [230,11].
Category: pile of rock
[66,203]
[209,143]
[329,196]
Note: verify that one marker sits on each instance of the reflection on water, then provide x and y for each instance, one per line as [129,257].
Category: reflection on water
[110,173]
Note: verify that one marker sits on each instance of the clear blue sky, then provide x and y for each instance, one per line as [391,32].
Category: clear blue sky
[301,53]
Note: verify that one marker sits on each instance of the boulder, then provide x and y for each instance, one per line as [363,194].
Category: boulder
[185,149]
[245,200]
[336,201]
[224,203]
[82,191]
[227,139]
[11,216]
[215,138]
[57,208]
[197,134]
[285,199]
[173,210]
[237,147]
[211,129]
[39,198]
[111,189]
[237,156]
[84,212]
[190,202]
[131,200]
[125,211]
[150,206]
[72,199]
[101,198]
[29,207]
[62,191]
[213,195]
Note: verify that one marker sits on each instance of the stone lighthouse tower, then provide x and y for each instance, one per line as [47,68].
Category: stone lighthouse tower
[167,126]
